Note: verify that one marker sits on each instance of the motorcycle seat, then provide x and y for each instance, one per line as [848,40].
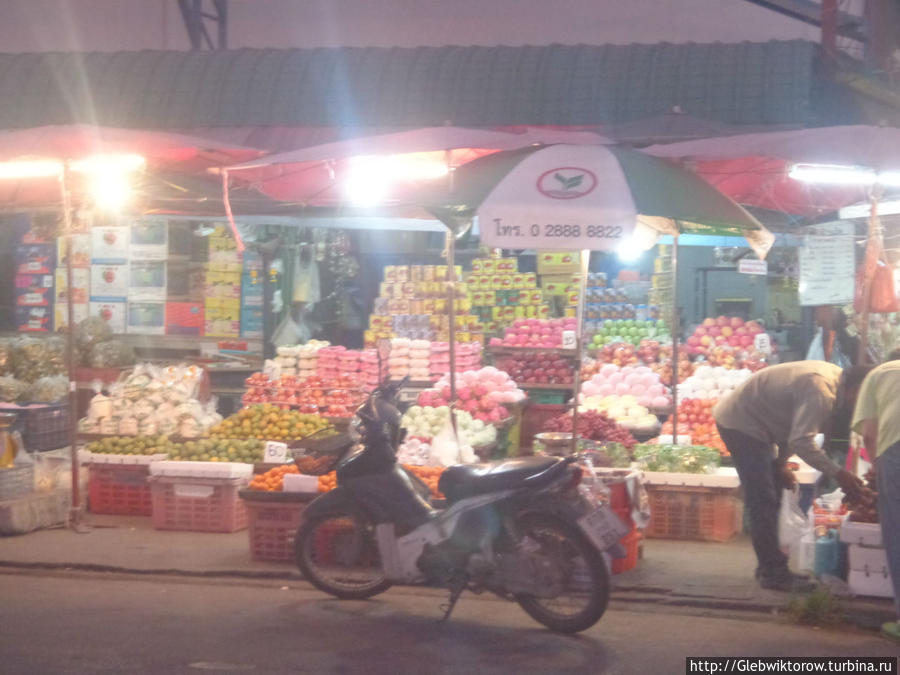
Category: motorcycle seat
[467,480]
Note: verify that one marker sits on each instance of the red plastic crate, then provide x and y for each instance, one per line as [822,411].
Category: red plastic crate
[119,489]
[272,526]
[698,513]
[631,542]
[198,504]
[533,418]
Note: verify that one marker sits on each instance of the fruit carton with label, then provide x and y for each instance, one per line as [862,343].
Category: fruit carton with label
[61,314]
[81,280]
[35,259]
[113,312]
[110,244]
[109,282]
[146,318]
[34,319]
[184,318]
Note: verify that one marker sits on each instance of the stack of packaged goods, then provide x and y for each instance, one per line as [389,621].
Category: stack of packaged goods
[81,280]
[560,277]
[35,267]
[398,362]
[148,276]
[222,305]
[252,296]
[299,360]
[412,304]
[419,360]
[500,294]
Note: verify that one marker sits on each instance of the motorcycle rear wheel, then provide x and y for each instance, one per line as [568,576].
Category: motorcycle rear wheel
[586,579]
[337,553]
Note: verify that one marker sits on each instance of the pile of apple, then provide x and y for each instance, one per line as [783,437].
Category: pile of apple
[539,369]
[695,418]
[335,396]
[632,331]
[484,394]
[540,333]
[663,367]
[732,331]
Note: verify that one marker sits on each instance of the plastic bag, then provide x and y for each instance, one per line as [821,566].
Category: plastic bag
[91,331]
[288,332]
[446,450]
[110,354]
[882,296]
[49,389]
[793,524]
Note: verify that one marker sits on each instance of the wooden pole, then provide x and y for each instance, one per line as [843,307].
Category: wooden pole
[579,342]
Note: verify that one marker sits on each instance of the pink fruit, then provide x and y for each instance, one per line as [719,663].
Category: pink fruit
[706,340]
[709,322]
[722,321]
[727,331]
[736,322]
[692,341]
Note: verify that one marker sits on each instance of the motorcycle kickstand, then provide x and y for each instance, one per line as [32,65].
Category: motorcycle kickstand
[457,586]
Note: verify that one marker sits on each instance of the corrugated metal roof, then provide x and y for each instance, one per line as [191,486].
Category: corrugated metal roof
[745,83]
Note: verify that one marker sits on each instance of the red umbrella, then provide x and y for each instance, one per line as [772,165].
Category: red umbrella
[753,169]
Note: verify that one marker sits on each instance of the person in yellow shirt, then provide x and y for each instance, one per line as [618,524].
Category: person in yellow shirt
[785,406]
[877,418]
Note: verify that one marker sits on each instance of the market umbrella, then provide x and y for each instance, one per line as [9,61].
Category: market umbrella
[567,197]
[56,148]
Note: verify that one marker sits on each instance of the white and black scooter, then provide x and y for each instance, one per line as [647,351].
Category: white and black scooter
[519,528]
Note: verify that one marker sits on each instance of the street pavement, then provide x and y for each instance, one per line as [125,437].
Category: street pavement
[79,622]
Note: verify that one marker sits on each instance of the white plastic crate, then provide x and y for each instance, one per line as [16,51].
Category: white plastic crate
[724,477]
[202,469]
[870,583]
[868,559]
[112,458]
[861,534]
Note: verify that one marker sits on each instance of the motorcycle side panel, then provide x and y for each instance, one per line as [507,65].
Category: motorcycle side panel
[390,497]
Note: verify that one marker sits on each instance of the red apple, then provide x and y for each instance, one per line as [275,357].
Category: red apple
[736,322]
[715,331]
[709,322]
[722,321]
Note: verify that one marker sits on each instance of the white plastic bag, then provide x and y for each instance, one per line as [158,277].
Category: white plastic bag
[446,450]
[793,524]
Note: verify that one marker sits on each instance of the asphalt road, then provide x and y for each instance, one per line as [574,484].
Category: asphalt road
[59,623]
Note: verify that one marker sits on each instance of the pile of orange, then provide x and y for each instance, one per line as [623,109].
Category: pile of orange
[273,479]
[268,422]
[430,475]
[328,482]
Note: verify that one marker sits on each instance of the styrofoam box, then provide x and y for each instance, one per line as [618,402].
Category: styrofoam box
[805,475]
[875,584]
[862,534]
[202,469]
[724,477]
[301,483]
[869,559]
[111,458]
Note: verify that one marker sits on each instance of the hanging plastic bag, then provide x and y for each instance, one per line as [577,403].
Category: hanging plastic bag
[288,332]
[306,277]
[793,524]
[882,294]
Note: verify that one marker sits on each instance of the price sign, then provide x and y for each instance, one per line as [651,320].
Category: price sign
[762,343]
[759,267]
[569,340]
[275,452]
[827,265]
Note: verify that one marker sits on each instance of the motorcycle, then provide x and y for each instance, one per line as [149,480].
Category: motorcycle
[519,528]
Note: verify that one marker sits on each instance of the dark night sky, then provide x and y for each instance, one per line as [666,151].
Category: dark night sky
[105,25]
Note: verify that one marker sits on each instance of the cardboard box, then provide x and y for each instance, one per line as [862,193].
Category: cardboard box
[109,283]
[558,262]
[149,239]
[253,262]
[81,276]
[178,281]
[34,297]
[147,280]
[184,318]
[146,318]
[221,328]
[252,290]
[81,243]
[109,245]
[113,312]
[252,323]
[223,284]
[34,319]
[35,259]
[61,314]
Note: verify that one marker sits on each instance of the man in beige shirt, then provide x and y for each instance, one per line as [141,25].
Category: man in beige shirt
[784,406]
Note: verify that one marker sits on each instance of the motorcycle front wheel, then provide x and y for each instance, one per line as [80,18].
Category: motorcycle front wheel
[337,553]
[585,579]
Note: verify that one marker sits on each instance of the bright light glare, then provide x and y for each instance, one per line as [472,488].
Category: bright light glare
[111,190]
[370,178]
[108,163]
[889,178]
[887,208]
[833,174]
[32,169]
[631,250]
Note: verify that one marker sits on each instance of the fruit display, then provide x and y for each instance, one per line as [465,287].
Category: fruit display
[625,410]
[535,333]
[728,342]
[33,358]
[427,422]
[219,450]
[273,479]
[483,393]
[594,426]
[539,368]
[865,510]
[338,396]
[424,360]
[131,445]
[151,400]
[630,331]
[430,475]
[269,422]
[299,360]
[638,382]
[695,419]
[715,383]
[677,458]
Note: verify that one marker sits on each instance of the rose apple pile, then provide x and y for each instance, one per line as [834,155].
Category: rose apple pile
[594,426]
[482,393]
[539,369]
[695,418]
[535,333]
[638,382]
[627,330]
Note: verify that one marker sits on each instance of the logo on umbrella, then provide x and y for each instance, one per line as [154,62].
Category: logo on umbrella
[566,182]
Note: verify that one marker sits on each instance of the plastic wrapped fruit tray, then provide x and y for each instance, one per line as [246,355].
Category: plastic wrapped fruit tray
[16,481]
[198,504]
[119,489]
[272,524]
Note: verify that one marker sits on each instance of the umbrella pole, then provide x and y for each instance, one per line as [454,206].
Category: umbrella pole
[579,343]
[75,517]
[451,311]
[674,329]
